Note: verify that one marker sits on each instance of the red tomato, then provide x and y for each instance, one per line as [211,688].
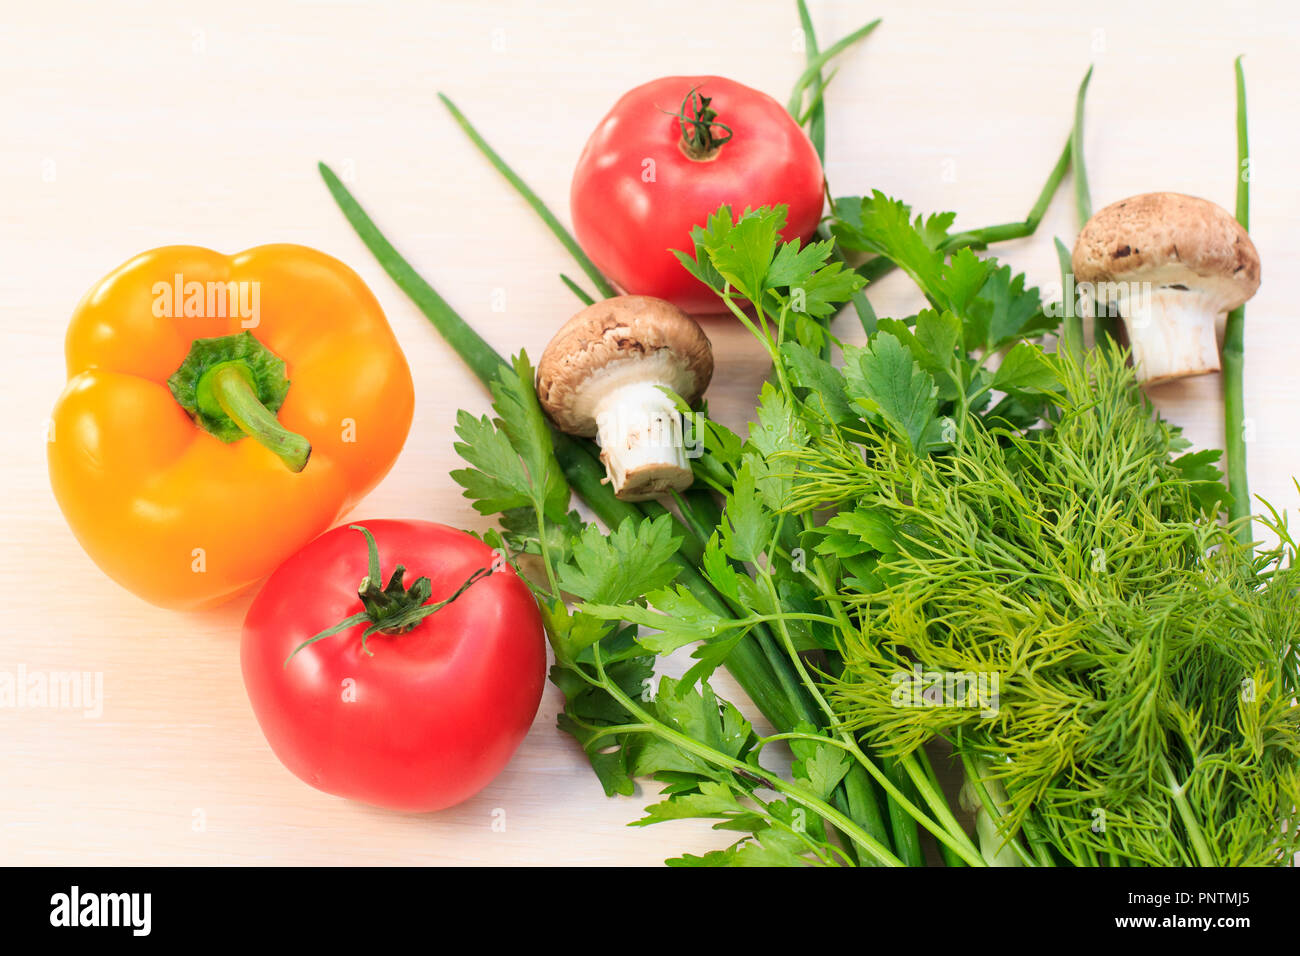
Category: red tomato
[435,714]
[637,193]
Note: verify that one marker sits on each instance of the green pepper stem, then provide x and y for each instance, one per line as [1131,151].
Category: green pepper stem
[234,393]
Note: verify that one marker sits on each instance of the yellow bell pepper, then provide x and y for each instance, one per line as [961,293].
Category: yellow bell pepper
[220,412]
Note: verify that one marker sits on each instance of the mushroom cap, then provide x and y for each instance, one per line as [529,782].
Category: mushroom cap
[1169,239]
[616,342]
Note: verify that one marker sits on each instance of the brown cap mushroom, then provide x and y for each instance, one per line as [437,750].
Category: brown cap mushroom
[602,376]
[1169,264]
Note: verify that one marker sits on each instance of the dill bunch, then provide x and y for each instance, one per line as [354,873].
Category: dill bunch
[1144,661]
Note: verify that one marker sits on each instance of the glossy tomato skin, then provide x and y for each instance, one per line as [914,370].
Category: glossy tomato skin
[636,195]
[436,713]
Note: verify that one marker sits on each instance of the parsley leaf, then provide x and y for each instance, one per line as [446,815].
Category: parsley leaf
[620,567]
[885,379]
[884,226]
[678,616]
[821,383]
[742,251]
[746,527]
[1005,311]
[512,456]
[1026,368]
[589,709]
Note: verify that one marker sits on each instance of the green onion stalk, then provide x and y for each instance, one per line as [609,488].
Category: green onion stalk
[1233,359]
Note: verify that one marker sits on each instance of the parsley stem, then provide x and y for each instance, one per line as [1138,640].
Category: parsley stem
[945,826]
[794,791]
[597,731]
[950,857]
[748,662]
[544,547]
[801,735]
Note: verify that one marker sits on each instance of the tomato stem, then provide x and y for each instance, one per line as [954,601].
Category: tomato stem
[391,608]
[699,121]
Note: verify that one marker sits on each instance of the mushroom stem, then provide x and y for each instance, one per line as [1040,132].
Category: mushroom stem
[639,431]
[1171,331]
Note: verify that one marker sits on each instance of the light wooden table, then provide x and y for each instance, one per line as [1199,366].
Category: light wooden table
[128,126]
